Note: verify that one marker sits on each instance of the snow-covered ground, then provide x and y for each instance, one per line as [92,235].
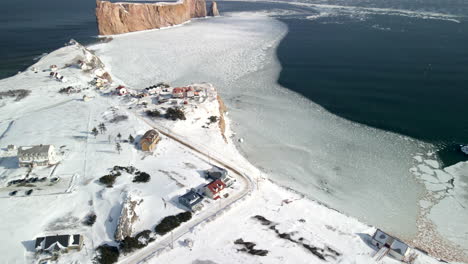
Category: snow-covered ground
[47,117]
[362,171]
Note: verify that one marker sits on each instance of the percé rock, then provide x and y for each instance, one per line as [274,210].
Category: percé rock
[118,18]
[213,9]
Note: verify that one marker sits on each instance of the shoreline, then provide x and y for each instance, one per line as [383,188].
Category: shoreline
[252,165]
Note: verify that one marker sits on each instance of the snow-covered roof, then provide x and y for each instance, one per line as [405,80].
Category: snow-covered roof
[191,197]
[464,149]
[150,135]
[34,150]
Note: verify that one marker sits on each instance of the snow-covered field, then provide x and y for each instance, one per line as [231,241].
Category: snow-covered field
[362,171]
[237,50]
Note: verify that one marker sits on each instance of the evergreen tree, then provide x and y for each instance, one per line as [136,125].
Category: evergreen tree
[95,132]
[102,128]
[118,147]
[131,139]
[119,136]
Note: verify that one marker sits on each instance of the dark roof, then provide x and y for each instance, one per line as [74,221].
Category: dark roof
[63,240]
[76,240]
[191,197]
[150,135]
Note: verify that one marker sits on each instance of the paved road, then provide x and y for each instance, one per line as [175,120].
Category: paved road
[162,243]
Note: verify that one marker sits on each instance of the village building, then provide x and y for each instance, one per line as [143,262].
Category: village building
[218,173]
[183,92]
[215,189]
[121,90]
[192,200]
[389,245]
[11,147]
[149,140]
[40,155]
[189,92]
[178,92]
[59,243]
[153,90]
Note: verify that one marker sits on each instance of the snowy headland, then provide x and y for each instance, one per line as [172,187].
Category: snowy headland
[97,129]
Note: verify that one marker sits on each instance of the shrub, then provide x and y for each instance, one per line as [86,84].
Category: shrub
[118,118]
[129,244]
[90,219]
[142,177]
[153,113]
[108,180]
[168,224]
[213,119]
[184,217]
[175,113]
[107,254]
[144,236]
[171,222]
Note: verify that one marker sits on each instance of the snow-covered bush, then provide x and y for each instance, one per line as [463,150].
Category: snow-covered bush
[107,254]
[141,177]
[171,222]
[90,219]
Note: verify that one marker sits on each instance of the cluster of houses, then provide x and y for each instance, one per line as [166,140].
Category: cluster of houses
[165,92]
[216,189]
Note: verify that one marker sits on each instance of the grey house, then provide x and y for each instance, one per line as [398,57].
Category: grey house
[192,200]
[59,243]
[218,173]
[389,245]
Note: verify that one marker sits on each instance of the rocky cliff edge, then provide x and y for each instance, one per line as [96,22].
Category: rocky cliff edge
[118,18]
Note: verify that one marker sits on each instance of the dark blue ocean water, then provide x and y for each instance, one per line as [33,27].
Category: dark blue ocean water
[29,28]
[397,67]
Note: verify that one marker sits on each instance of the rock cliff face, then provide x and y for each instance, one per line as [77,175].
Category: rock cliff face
[118,18]
[213,11]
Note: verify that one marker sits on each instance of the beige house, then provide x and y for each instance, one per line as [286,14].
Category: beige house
[149,140]
[40,155]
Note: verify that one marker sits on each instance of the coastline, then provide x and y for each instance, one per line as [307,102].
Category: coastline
[228,121]
[234,101]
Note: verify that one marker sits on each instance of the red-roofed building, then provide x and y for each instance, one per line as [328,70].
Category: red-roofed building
[178,92]
[215,189]
[121,90]
[181,92]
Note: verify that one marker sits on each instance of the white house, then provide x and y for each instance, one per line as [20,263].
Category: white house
[40,155]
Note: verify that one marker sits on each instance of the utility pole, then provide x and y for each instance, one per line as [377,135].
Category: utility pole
[172,240]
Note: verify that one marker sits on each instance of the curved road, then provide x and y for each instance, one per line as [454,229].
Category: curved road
[162,243]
